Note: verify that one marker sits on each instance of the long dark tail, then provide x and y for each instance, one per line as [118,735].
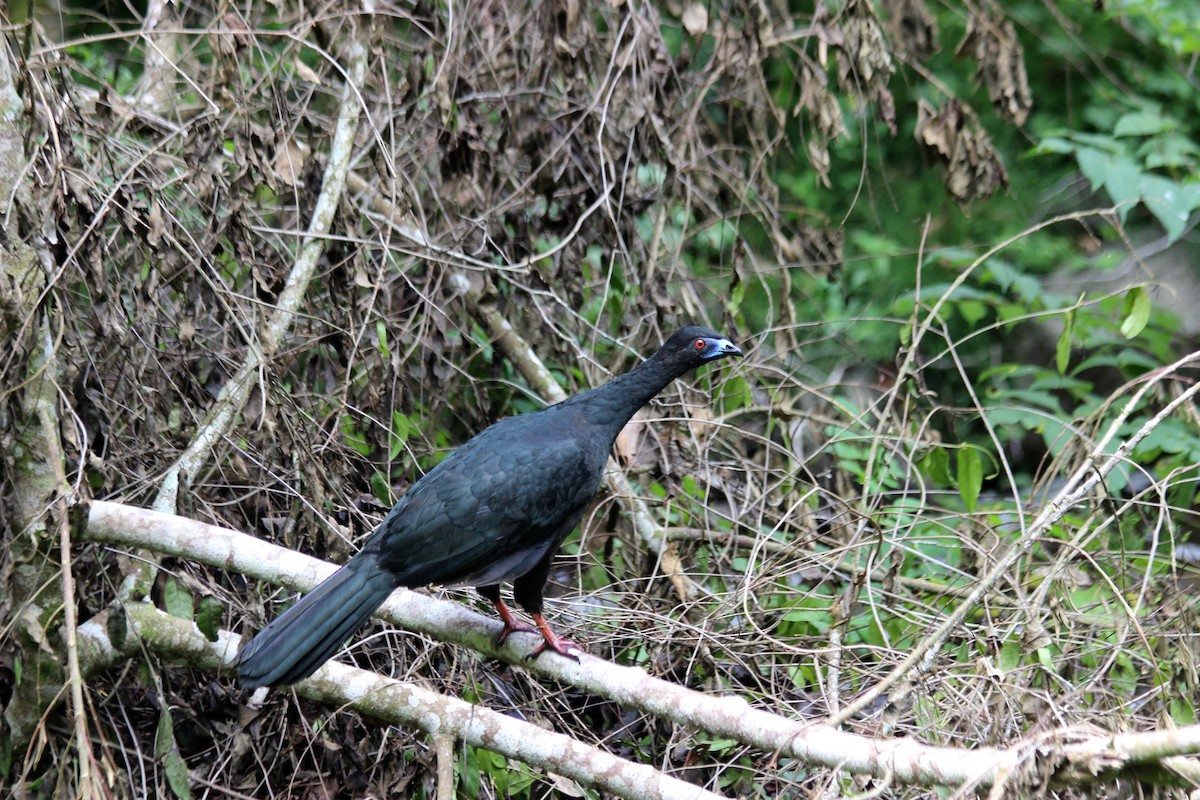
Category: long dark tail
[303,638]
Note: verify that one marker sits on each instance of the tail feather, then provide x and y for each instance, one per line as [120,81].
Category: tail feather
[305,636]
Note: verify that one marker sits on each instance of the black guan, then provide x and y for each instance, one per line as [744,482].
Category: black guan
[494,510]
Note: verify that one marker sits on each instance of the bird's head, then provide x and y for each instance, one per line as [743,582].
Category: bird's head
[695,345]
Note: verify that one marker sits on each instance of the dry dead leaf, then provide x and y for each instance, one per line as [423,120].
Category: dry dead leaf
[913,28]
[695,20]
[629,440]
[289,159]
[973,167]
[154,219]
[305,72]
[824,112]
[866,65]
[1000,64]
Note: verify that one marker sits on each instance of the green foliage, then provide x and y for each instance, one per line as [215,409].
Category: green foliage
[1127,164]
[969,476]
[479,768]
[166,752]
[1175,25]
[208,617]
[177,600]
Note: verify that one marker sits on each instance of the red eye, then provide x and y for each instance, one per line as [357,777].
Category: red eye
[701,344]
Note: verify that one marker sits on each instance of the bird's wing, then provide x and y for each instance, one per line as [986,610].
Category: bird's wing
[489,511]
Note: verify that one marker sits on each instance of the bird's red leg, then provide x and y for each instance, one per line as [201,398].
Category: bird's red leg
[552,641]
[510,622]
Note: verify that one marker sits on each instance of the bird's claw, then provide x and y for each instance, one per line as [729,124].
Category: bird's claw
[552,641]
[561,646]
[511,628]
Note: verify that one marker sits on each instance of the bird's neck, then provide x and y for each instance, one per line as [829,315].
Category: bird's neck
[612,405]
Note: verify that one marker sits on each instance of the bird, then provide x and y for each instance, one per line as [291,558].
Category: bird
[494,511]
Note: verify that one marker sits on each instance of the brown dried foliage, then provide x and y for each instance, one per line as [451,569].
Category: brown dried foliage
[866,65]
[991,40]
[913,28]
[973,167]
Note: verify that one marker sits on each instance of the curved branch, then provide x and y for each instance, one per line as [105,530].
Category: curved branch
[400,703]
[729,716]
[1100,755]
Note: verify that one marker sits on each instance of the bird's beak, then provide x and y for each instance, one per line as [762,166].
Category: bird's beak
[728,348]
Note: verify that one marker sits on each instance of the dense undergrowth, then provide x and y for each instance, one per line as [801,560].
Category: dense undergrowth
[945,270]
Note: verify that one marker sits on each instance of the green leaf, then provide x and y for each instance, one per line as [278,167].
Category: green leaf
[1062,348]
[736,296]
[208,618]
[1010,656]
[401,428]
[1053,144]
[354,438]
[1172,151]
[174,767]
[381,335]
[1135,312]
[1122,181]
[1142,123]
[380,488]
[972,311]
[176,771]
[178,600]
[164,734]
[1093,164]
[1170,202]
[1116,172]
[1182,711]
[970,476]
[936,466]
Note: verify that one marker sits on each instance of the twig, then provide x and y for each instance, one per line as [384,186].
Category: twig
[443,745]
[74,676]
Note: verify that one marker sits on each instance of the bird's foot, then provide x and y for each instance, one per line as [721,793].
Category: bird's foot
[553,642]
[510,623]
[510,628]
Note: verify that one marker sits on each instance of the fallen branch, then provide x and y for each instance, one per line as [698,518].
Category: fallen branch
[899,760]
[396,702]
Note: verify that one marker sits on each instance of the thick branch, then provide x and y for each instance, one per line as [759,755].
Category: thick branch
[902,759]
[398,703]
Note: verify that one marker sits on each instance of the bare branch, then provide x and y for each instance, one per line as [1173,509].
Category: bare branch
[402,703]
[727,716]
